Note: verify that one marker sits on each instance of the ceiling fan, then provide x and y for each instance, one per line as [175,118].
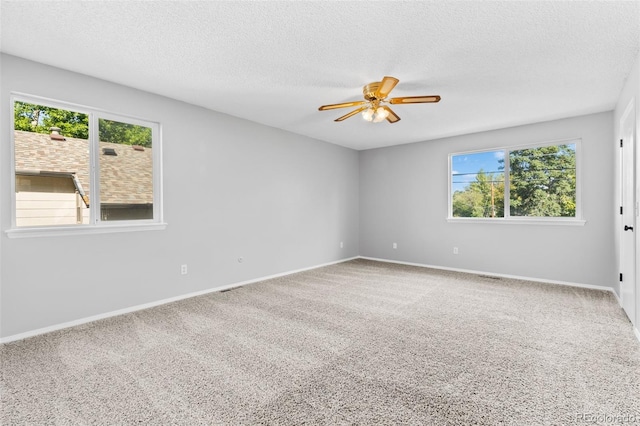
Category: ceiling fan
[375,95]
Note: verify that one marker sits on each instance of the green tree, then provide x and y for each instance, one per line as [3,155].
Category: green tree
[124,133]
[467,203]
[40,118]
[483,197]
[543,181]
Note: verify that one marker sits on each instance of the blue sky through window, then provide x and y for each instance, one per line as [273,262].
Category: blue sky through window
[464,167]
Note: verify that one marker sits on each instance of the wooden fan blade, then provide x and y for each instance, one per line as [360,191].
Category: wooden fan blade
[386,86]
[352,113]
[392,117]
[415,99]
[344,105]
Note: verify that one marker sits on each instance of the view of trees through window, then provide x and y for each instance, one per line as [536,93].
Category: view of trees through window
[39,118]
[542,182]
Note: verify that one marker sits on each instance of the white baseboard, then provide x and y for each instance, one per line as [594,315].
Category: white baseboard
[517,277]
[493,274]
[92,318]
[617,297]
[143,306]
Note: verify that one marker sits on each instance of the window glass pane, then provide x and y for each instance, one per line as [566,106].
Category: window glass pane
[543,181]
[477,184]
[126,171]
[51,165]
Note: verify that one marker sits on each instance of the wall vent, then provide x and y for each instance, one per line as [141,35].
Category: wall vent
[490,277]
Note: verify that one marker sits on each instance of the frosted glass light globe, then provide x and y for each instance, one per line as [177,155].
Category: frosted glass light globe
[367,114]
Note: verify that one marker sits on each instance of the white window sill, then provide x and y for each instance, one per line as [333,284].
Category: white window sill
[520,221]
[61,231]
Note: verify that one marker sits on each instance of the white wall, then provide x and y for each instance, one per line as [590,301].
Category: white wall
[232,188]
[404,199]
[3,112]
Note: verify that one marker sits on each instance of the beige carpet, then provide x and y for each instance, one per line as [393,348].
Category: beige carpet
[355,343]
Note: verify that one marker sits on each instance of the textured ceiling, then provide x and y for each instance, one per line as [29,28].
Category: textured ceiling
[495,64]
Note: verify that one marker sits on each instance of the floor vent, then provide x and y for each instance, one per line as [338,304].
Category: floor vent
[229,289]
[490,277]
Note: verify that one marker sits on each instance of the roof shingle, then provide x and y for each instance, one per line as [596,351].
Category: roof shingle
[125,178]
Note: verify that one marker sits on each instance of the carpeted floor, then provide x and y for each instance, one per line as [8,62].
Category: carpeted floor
[359,342]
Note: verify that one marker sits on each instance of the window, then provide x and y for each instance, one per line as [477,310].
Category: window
[126,171]
[75,167]
[477,182]
[538,182]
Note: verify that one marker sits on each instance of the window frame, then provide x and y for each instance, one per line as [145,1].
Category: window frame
[578,219]
[96,225]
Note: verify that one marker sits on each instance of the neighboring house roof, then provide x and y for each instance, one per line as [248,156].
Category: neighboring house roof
[126,178]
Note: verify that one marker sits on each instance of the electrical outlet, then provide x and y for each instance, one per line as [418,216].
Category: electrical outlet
[341,244]
[183,269]
[455,250]
[395,245]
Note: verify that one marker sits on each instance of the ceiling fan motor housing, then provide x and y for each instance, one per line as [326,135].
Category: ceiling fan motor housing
[369,91]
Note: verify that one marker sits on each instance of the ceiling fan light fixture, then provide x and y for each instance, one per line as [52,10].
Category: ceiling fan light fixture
[380,115]
[367,114]
[375,115]
[376,94]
